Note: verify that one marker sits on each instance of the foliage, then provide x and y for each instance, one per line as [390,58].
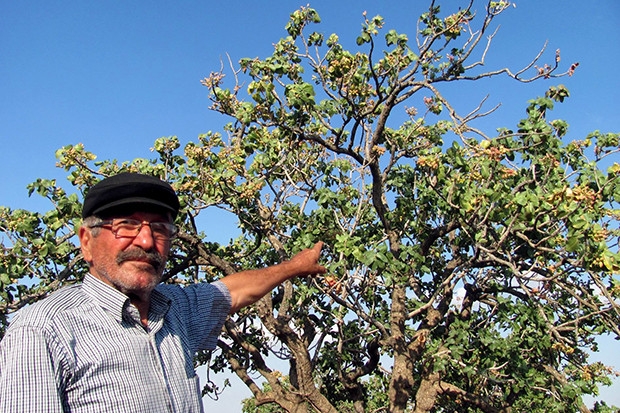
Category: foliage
[469,271]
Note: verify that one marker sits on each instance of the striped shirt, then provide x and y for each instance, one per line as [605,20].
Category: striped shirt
[84,349]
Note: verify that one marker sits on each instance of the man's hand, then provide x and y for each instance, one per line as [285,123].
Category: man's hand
[305,262]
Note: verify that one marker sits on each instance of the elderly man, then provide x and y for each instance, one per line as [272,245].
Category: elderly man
[121,341]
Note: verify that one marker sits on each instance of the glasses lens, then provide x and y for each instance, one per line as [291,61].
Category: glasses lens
[131,228]
[163,230]
[126,227]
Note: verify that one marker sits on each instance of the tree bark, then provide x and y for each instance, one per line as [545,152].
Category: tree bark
[401,381]
[426,397]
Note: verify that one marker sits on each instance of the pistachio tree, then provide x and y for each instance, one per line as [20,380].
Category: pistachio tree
[470,270]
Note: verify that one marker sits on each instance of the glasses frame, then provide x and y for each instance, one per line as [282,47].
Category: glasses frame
[135,225]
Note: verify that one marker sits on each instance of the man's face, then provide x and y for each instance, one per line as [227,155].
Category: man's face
[133,266]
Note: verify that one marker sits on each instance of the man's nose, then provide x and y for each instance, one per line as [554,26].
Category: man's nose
[145,238]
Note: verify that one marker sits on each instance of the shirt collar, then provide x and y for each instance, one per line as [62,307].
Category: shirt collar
[117,304]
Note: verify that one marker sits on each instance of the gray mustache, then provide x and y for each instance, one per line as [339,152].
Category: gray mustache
[151,257]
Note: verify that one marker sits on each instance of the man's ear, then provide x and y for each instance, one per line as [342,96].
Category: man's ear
[86,238]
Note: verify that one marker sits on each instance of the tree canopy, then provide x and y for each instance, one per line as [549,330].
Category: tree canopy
[469,270]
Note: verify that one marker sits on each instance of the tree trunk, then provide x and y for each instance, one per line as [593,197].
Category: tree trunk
[426,396]
[301,373]
[401,381]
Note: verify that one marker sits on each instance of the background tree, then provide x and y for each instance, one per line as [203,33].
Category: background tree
[469,270]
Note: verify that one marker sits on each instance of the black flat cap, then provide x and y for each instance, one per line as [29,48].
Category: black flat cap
[127,191]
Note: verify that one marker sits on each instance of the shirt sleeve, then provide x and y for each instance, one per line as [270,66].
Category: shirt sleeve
[28,373]
[202,308]
[213,308]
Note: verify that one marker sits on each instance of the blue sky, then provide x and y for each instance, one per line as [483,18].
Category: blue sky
[117,75]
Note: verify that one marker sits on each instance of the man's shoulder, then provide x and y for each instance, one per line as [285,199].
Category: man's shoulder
[45,311]
[202,293]
[173,290]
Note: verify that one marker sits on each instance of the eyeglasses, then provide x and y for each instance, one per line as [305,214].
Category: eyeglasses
[130,228]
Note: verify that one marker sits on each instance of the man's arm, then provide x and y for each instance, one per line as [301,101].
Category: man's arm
[247,287]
